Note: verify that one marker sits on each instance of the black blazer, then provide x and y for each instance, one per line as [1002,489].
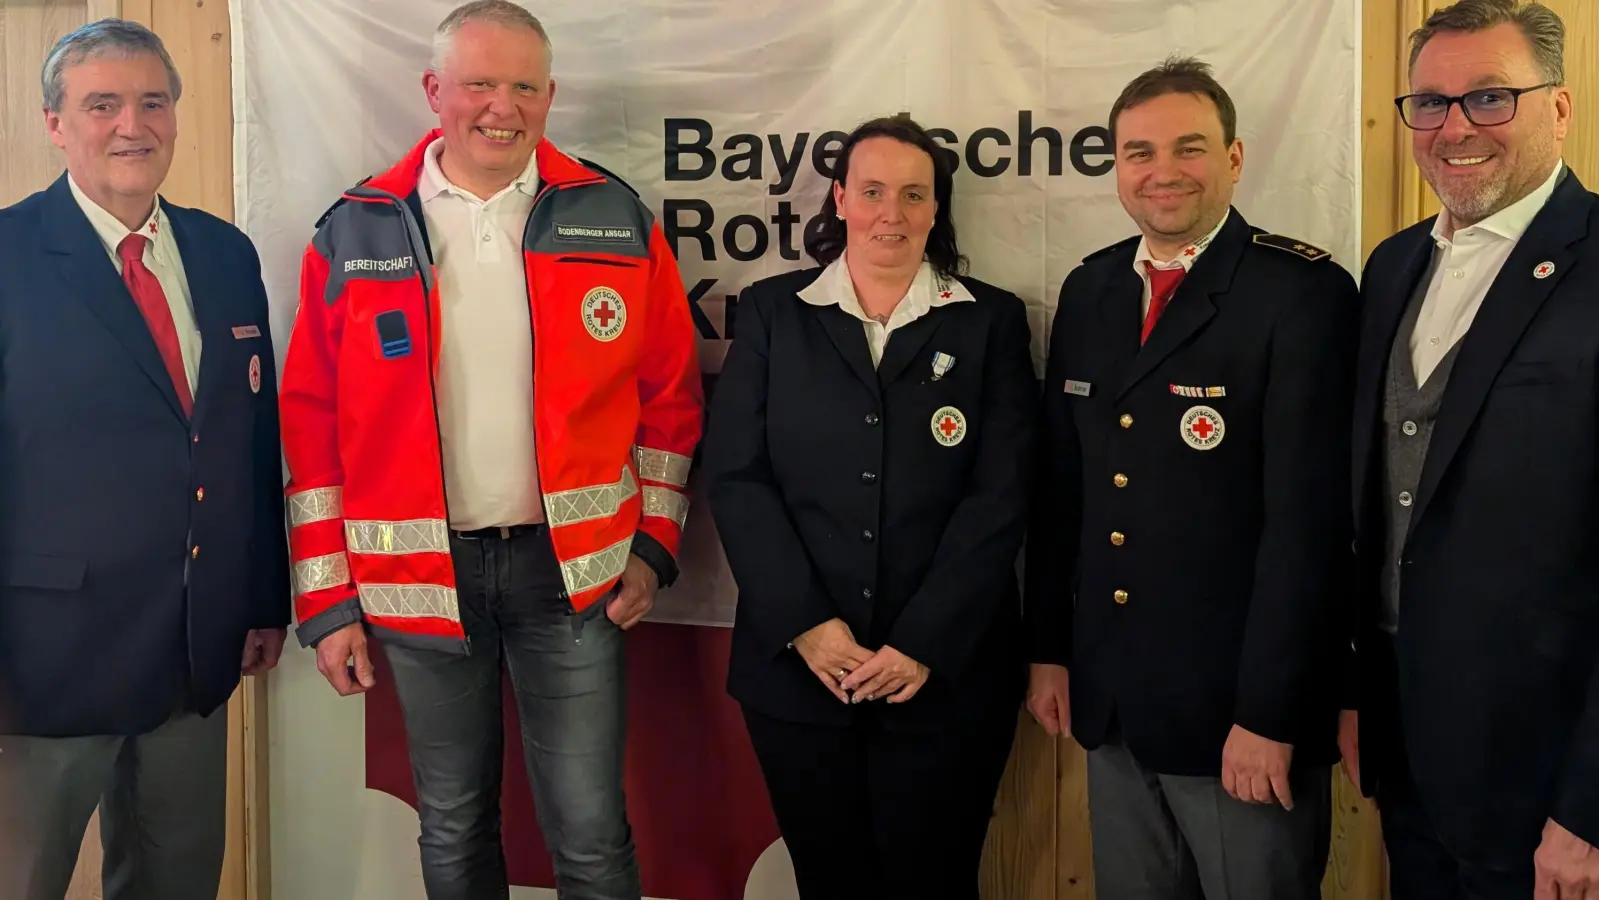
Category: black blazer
[834,499]
[111,499]
[1228,555]
[1498,639]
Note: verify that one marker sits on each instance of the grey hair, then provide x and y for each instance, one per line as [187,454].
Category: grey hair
[503,13]
[116,38]
[1542,27]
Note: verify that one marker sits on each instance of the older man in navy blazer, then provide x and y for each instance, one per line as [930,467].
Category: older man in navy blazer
[142,544]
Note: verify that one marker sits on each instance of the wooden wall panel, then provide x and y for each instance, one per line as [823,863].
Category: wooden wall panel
[28,28]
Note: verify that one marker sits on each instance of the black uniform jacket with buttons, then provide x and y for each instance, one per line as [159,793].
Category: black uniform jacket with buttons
[1201,537]
[1498,637]
[833,497]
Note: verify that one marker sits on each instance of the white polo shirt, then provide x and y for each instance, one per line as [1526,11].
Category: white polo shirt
[485,383]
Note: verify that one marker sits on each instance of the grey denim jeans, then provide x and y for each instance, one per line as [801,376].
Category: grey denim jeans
[567,673]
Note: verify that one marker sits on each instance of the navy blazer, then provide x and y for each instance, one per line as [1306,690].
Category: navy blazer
[834,499]
[137,546]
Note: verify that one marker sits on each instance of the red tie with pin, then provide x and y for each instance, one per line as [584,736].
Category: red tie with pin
[1162,284]
[152,301]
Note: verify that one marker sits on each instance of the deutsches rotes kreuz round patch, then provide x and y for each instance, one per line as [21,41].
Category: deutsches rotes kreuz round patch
[604,313]
[949,426]
[1202,428]
[255,374]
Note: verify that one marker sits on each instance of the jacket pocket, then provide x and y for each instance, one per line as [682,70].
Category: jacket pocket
[1554,371]
[37,570]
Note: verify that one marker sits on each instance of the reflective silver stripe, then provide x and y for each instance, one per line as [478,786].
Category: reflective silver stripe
[388,538]
[658,465]
[585,504]
[321,572]
[410,601]
[316,505]
[587,572]
[666,503]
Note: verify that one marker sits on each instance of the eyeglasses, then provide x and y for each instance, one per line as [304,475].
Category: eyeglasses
[1483,108]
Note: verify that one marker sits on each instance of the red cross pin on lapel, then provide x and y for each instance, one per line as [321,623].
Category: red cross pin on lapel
[1544,270]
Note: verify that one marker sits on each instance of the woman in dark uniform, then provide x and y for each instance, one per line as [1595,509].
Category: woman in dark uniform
[867,457]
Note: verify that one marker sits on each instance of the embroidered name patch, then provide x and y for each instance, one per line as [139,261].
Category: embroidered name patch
[605,234]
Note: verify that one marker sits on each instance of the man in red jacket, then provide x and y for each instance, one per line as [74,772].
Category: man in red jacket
[490,401]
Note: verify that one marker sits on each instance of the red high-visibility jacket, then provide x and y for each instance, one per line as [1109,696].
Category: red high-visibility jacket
[617,401]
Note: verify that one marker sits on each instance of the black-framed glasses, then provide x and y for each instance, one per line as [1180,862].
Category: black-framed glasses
[1484,107]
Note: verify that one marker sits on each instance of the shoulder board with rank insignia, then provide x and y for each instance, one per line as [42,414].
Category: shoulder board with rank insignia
[1298,248]
[1105,251]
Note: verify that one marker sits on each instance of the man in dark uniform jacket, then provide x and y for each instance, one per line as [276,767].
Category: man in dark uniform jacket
[1183,562]
[1475,722]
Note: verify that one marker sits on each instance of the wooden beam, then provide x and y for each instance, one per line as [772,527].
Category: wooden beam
[103,9]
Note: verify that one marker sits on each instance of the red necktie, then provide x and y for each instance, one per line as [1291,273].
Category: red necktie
[1162,284]
[152,301]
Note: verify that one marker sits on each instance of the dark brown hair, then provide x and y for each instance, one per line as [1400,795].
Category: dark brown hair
[826,241]
[1177,75]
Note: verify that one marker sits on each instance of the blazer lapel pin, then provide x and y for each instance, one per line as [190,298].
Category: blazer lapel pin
[942,363]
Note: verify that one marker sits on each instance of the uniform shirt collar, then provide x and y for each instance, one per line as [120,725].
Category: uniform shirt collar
[433,182]
[928,290]
[112,231]
[1185,257]
[1509,223]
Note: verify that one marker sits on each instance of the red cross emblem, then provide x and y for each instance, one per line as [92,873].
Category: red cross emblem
[946,294]
[1190,251]
[1203,428]
[949,426]
[1544,270]
[604,314]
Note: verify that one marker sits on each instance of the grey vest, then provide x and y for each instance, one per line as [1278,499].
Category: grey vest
[1408,414]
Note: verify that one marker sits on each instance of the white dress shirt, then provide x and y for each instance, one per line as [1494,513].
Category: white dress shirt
[927,290]
[485,385]
[1184,260]
[162,259]
[1463,269]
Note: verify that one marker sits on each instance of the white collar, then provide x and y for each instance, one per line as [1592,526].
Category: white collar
[1511,222]
[928,289]
[434,182]
[112,231]
[1185,257]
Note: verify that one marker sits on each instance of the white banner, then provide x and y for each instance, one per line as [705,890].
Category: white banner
[726,115]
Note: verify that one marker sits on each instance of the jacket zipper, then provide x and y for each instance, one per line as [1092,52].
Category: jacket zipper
[538,440]
[420,253]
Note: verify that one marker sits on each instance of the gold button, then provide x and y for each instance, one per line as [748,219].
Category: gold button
[1121,596]
[199,494]
[1120,479]
[195,553]
[1117,538]
[1127,420]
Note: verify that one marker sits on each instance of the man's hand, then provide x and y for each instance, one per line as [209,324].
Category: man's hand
[889,673]
[262,647]
[1349,743]
[1049,697]
[343,653]
[1567,866]
[830,651]
[637,596]
[1254,768]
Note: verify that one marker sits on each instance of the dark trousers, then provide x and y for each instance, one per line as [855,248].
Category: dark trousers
[1420,865]
[872,813]
[567,673]
[162,798]
[1171,837]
